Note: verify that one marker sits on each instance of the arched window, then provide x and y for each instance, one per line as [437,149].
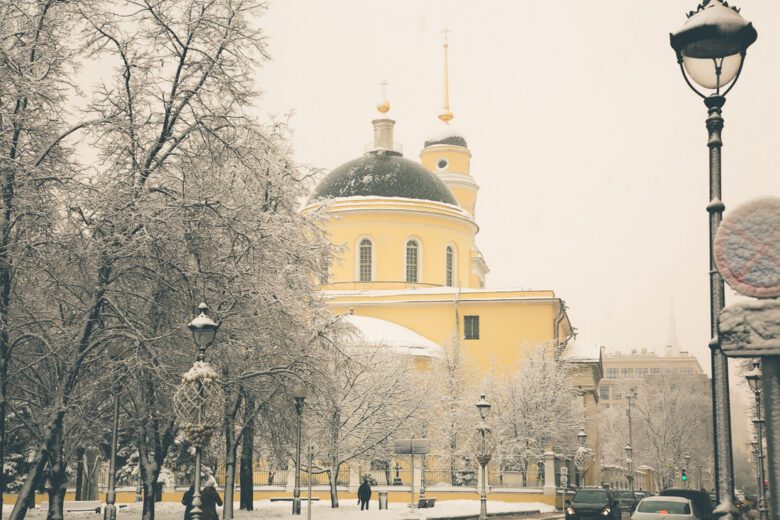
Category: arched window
[412,259]
[448,266]
[365,260]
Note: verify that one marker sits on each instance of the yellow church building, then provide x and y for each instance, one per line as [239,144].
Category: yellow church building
[410,275]
[409,256]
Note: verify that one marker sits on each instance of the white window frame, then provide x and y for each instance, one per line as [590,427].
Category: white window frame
[419,259]
[359,241]
[454,265]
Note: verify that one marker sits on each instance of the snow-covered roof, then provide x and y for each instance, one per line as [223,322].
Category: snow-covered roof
[382,333]
[445,134]
[579,351]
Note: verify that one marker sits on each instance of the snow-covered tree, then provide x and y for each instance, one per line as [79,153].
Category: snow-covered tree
[451,418]
[364,397]
[536,407]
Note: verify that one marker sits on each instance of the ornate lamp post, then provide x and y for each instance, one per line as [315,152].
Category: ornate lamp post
[198,400]
[299,394]
[754,381]
[630,467]
[710,49]
[582,457]
[483,442]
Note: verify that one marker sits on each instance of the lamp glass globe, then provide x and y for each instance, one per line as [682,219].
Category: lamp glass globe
[703,70]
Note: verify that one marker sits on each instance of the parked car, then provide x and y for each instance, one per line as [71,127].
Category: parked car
[628,500]
[593,502]
[702,506]
[665,508]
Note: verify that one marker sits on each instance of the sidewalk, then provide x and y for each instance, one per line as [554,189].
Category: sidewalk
[348,510]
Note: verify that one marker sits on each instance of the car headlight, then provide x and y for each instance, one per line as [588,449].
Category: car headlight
[569,511]
[605,511]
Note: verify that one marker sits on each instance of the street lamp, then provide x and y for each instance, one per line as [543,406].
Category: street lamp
[687,459]
[116,352]
[198,400]
[754,381]
[582,457]
[299,394]
[711,48]
[483,443]
[630,467]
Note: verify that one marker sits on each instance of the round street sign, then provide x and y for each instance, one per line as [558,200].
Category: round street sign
[747,248]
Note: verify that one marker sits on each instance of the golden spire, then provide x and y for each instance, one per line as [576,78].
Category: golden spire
[446,116]
[383,105]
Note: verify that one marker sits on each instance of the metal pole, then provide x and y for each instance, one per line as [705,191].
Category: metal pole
[308,506]
[762,509]
[721,415]
[483,496]
[411,484]
[109,513]
[631,444]
[422,476]
[770,384]
[296,505]
[196,512]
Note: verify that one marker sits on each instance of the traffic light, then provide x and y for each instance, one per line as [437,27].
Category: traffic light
[683,475]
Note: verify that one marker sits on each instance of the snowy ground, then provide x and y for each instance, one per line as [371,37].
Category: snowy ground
[347,510]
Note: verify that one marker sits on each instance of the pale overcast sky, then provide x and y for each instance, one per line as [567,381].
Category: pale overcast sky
[589,149]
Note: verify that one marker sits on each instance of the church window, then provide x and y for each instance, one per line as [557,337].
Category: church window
[448,266]
[412,259]
[365,260]
[471,327]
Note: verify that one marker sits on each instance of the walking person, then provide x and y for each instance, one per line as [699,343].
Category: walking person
[210,499]
[364,494]
[186,500]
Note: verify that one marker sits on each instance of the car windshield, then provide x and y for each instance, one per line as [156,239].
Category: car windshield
[664,507]
[587,496]
[623,494]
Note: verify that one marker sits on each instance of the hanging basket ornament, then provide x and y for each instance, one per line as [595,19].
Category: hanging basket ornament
[582,459]
[199,403]
[483,442]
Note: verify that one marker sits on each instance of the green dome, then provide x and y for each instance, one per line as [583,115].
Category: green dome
[382,173]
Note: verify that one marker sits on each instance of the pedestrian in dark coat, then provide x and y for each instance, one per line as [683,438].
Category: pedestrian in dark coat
[186,500]
[364,494]
[210,499]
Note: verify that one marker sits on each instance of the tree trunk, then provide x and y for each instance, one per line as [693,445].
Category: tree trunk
[149,491]
[56,477]
[79,473]
[246,471]
[35,474]
[333,475]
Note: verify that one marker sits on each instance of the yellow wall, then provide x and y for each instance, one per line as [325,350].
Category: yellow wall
[506,327]
[390,229]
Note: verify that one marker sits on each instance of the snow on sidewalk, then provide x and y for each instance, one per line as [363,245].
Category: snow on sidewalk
[321,510]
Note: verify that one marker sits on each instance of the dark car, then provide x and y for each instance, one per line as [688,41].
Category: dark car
[594,502]
[628,499]
[702,506]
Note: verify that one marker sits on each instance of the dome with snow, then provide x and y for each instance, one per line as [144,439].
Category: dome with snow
[446,134]
[385,334]
[383,173]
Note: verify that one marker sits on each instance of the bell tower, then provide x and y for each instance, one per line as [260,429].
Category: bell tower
[446,153]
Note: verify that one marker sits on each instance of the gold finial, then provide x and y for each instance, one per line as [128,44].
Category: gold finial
[446,116]
[383,105]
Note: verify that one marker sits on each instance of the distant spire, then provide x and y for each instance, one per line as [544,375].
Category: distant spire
[446,115]
[384,104]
